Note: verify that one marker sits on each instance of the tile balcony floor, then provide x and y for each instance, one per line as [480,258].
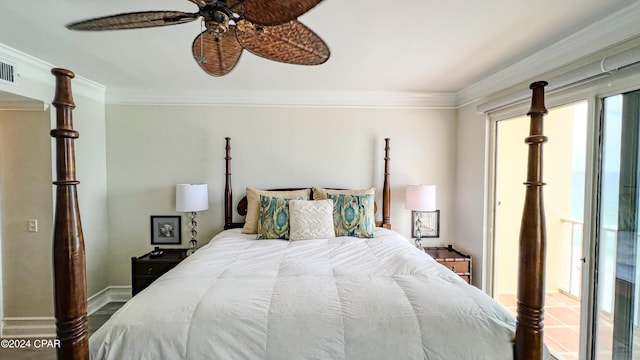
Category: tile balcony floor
[562,326]
[561,323]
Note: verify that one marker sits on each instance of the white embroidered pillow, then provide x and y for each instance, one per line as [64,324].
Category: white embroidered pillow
[311,219]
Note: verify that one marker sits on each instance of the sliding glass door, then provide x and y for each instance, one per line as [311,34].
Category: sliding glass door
[565,173]
[617,306]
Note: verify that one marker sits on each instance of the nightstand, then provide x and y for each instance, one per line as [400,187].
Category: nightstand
[456,261]
[145,269]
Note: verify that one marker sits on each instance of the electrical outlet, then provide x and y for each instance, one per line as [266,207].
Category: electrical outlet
[32,225]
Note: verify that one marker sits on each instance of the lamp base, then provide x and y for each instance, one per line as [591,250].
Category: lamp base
[418,242]
[193,243]
[192,247]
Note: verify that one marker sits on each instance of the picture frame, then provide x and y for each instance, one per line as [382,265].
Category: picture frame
[430,224]
[166,229]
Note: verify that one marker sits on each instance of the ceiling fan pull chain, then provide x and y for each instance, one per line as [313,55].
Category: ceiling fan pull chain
[201,59]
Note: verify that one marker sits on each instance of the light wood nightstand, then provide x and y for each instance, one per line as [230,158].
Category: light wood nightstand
[456,261]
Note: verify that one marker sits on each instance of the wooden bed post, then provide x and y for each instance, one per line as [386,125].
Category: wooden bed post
[386,190]
[70,283]
[228,193]
[531,271]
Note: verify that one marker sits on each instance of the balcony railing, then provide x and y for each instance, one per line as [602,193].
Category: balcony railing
[608,242]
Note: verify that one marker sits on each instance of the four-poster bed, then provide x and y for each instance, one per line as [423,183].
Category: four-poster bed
[70,281]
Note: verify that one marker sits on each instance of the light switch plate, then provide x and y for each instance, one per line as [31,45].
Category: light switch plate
[32,225]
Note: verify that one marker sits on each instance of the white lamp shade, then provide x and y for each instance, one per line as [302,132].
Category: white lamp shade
[192,197]
[421,198]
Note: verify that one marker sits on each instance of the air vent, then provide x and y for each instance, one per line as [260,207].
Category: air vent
[7,72]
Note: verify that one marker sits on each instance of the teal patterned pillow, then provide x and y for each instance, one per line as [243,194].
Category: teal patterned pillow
[353,215]
[274,217]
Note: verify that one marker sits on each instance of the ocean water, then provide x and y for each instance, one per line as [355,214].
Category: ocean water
[609,220]
[609,198]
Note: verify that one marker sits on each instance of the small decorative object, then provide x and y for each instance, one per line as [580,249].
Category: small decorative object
[430,224]
[156,253]
[192,198]
[421,200]
[166,229]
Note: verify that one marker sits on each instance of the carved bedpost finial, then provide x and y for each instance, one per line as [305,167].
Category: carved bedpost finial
[531,272]
[63,95]
[537,98]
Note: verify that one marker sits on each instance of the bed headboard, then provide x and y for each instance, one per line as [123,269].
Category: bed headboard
[242,205]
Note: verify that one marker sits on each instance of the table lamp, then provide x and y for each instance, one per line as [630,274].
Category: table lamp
[192,198]
[420,198]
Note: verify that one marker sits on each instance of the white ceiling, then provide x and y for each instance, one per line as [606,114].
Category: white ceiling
[410,46]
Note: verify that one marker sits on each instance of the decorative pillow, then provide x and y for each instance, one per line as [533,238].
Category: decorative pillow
[274,218]
[253,205]
[353,215]
[311,219]
[322,193]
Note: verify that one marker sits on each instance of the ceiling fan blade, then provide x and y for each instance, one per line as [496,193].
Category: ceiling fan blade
[291,43]
[217,54]
[200,3]
[273,12]
[134,20]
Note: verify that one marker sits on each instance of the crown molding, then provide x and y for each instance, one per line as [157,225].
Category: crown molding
[611,30]
[31,70]
[369,99]
[27,105]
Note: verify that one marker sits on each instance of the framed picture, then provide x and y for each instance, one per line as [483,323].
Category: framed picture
[430,224]
[166,229]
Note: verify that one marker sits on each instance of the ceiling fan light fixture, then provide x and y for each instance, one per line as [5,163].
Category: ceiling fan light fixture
[267,28]
[218,22]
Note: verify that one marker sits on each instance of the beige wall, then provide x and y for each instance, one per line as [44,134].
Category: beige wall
[91,158]
[152,148]
[470,187]
[25,185]
[26,193]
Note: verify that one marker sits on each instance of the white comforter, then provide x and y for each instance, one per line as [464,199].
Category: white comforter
[342,298]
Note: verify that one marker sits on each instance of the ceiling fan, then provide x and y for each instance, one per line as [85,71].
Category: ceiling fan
[267,28]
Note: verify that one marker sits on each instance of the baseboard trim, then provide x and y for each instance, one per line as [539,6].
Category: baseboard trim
[29,327]
[107,295]
[45,326]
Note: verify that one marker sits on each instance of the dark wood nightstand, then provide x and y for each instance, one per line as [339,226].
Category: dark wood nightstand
[456,261]
[145,269]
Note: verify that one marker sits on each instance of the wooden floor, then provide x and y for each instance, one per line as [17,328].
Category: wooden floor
[95,321]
